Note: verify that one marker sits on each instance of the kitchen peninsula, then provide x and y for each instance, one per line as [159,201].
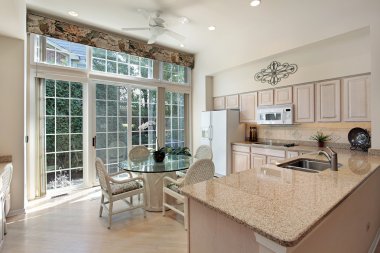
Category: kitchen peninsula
[273,209]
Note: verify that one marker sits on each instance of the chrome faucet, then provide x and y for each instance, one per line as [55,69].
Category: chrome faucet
[332,157]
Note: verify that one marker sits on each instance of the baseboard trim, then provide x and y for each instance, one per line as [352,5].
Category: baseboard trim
[16,212]
[375,242]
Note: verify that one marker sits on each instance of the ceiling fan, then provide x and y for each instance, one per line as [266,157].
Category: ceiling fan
[156,27]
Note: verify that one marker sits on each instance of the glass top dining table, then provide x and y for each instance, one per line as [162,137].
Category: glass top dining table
[153,173]
[171,163]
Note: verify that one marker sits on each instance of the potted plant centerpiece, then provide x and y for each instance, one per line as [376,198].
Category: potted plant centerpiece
[321,138]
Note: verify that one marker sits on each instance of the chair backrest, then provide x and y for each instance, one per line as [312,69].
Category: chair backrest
[6,177]
[138,153]
[199,171]
[103,175]
[203,152]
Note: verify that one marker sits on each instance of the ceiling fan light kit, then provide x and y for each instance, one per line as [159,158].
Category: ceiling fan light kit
[73,13]
[255,3]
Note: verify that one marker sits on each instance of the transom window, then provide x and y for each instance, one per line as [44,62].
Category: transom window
[121,63]
[174,73]
[60,52]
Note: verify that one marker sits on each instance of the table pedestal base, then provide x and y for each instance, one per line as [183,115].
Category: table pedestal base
[154,185]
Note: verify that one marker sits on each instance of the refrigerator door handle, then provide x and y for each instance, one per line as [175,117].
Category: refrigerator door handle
[210,133]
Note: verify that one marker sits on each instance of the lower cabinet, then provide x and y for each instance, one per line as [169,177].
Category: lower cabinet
[258,160]
[245,157]
[240,158]
[240,161]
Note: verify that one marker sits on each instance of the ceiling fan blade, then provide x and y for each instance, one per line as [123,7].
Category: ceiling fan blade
[175,35]
[135,29]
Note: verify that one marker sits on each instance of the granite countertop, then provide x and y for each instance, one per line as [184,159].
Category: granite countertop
[282,204]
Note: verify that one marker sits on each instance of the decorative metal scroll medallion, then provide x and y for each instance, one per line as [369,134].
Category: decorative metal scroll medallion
[275,72]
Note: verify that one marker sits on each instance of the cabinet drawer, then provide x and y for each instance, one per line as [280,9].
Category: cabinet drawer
[241,148]
[266,151]
[290,154]
[274,159]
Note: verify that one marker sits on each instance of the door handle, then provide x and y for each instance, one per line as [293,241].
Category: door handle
[94,141]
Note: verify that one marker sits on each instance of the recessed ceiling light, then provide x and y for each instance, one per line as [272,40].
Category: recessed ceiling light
[212,28]
[73,13]
[255,3]
[184,20]
[182,45]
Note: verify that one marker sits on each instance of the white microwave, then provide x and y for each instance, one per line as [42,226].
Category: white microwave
[275,115]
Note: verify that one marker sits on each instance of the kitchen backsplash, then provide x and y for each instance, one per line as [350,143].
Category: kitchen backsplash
[302,132]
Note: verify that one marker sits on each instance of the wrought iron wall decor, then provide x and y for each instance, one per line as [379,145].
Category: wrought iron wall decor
[275,72]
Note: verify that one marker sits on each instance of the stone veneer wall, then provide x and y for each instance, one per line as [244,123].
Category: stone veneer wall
[52,27]
[302,132]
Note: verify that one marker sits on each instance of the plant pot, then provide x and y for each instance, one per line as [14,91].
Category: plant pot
[158,156]
[321,144]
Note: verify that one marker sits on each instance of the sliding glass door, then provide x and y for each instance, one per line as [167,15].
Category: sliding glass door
[111,124]
[125,117]
[62,134]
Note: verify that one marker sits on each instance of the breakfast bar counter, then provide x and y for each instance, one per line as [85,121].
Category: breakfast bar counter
[284,208]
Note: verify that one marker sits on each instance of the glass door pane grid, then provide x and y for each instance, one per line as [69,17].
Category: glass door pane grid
[111,125]
[63,134]
[144,111]
[174,119]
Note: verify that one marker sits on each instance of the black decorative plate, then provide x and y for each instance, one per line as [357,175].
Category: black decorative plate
[359,138]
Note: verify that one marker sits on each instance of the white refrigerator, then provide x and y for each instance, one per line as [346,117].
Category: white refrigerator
[219,130]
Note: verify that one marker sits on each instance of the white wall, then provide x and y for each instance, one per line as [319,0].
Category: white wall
[344,55]
[375,66]
[12,113]
[12,73]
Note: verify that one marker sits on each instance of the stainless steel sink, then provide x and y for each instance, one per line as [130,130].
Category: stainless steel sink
[307,165]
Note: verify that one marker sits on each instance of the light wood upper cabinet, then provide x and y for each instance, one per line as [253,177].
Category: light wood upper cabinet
[304,103]
[265,97]
[219,103]
[248,105]
[356,99]
[328,101]
[232,102]
[257,161]
[283,96]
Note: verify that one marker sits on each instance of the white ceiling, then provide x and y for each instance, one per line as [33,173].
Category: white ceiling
[12,18]
[242,34]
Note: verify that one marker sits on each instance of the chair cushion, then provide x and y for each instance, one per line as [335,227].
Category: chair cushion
[174,187]
[126,187]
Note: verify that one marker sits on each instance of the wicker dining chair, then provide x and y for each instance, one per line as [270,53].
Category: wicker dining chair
[199,171]
[115,189]
[138,153]
[6,177]
[203,152]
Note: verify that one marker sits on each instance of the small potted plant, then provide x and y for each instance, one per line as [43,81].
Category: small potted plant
[321,138]
[159,155]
